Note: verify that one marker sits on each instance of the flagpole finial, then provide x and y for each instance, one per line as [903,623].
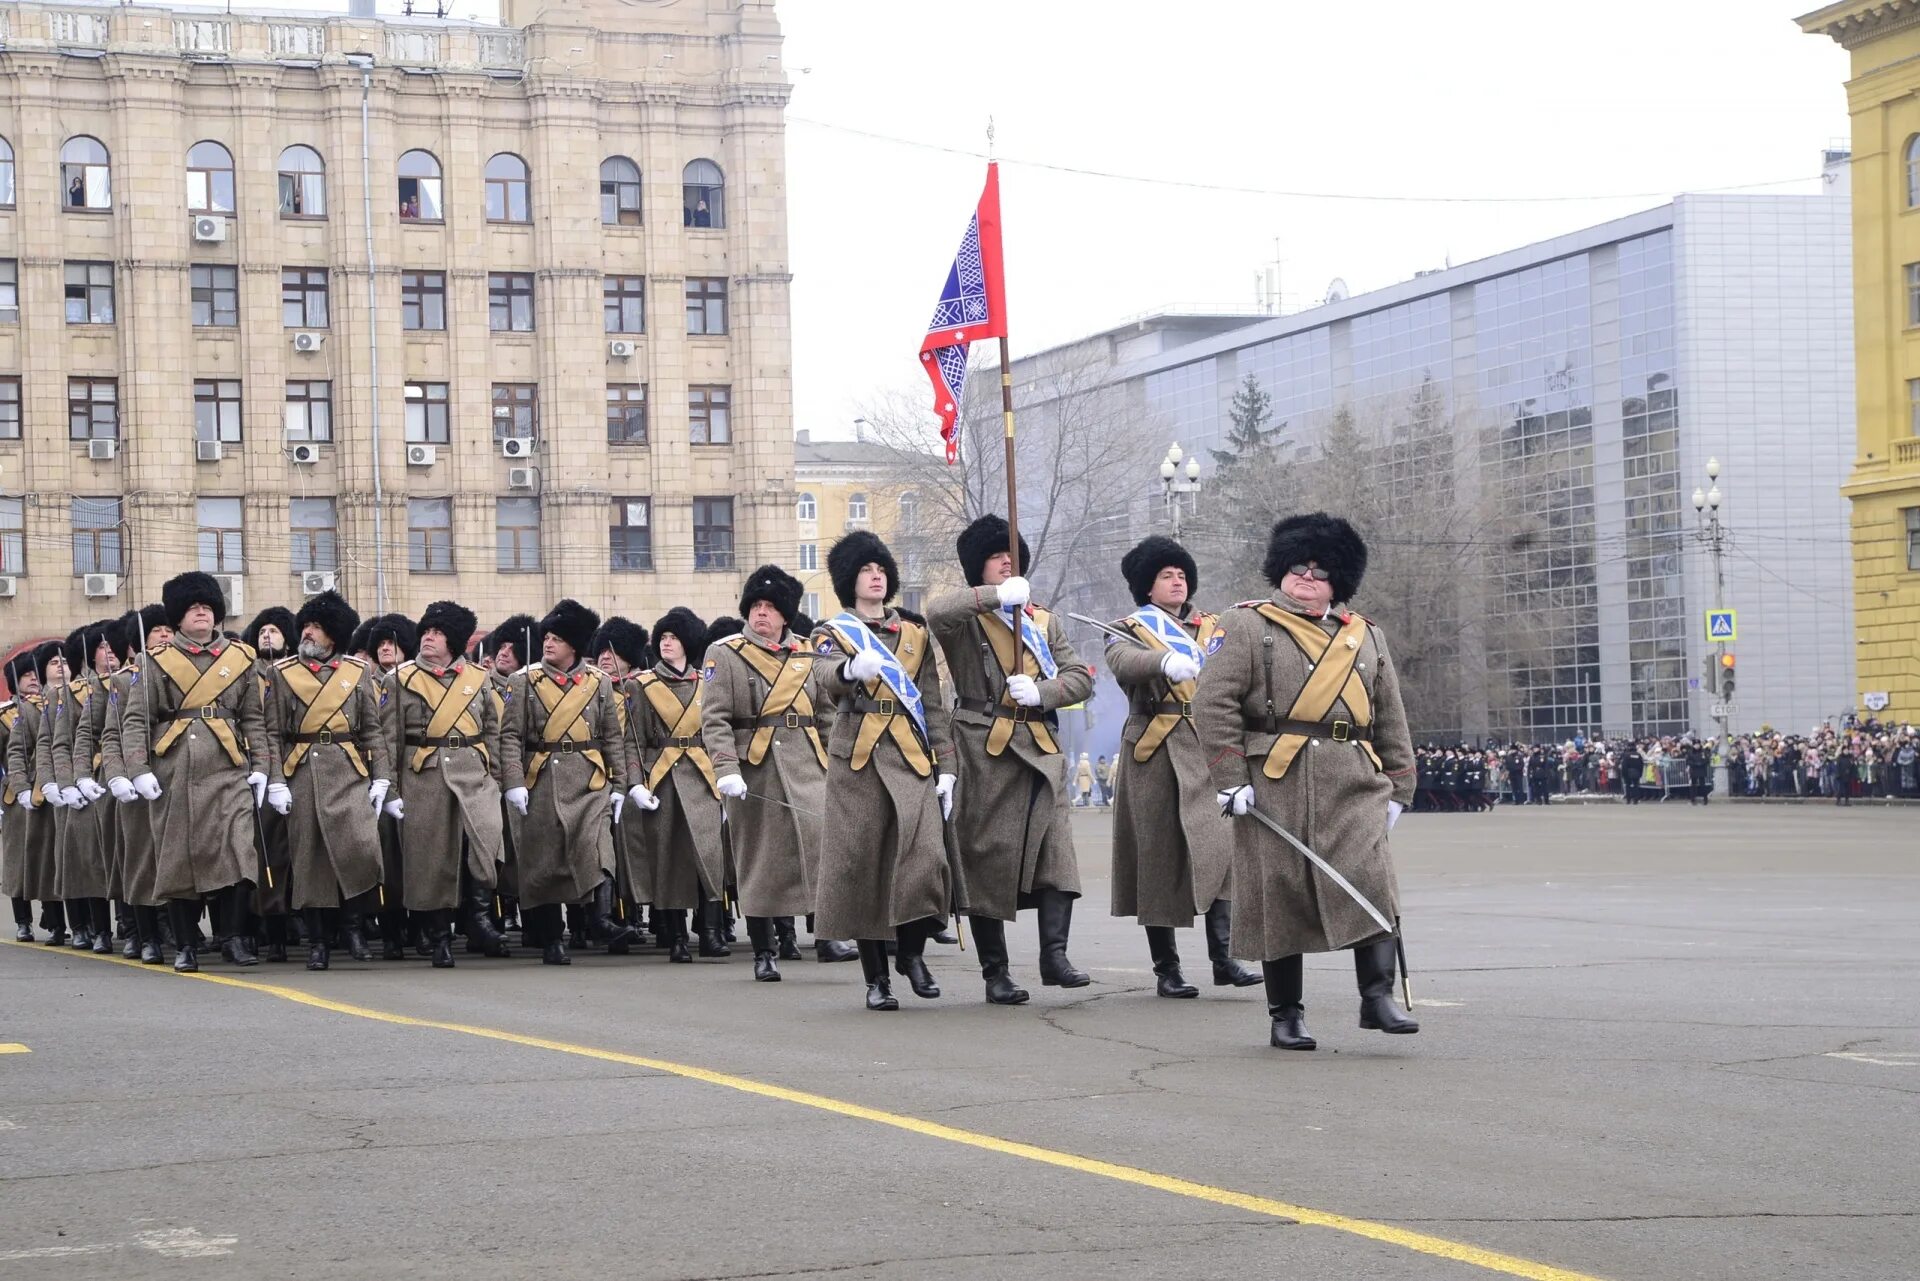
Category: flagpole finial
[989,137]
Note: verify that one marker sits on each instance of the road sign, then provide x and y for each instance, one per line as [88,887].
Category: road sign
[1693,682]
[1720,626]
[1876,700]
[1719,711]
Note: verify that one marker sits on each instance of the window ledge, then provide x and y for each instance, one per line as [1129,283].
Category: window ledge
[87,213]
[287,217]
[424,222]
[535,570]
[629,444]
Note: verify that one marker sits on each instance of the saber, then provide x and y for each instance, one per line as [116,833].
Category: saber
[771,801]
[1324,866]
[1400,948]
[1109,629]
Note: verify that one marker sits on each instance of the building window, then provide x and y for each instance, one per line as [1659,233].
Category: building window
[806,508]
[857,507]
[510,301]
[630,535]
[703,195]
[99,543]
[216,410]
[209,179]
[86,174]
[89,293]
[423,300]
[506,188]
[516,411]
[9,291]
[13,536]
[619,192]
[221,545]
[517,530]
[216,295]
[626,413]
[809,557]
[303,297]
[426,413]
[1913,293]
[1913,538]
[315,539]
[626,304]
[913,598]
[713,533]
[1913,405]
[708,415]
[909,511]
[419,175]
[810,604]
[93,409]
[706,305]
[303,183]
[1913,172]
[6,174]
[309,411]
[430,535]
[10,407]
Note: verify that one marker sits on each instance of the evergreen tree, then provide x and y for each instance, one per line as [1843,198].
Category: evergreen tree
[1247,416]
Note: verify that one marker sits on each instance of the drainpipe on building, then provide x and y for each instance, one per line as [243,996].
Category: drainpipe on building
[365,63]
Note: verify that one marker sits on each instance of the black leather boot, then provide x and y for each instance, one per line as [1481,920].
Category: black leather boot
[275,929]
[482,936]
[834,950]
[22,921]
[673,929]
[990,941]
[787,938]
[1373,966]
[873,962]
[910,959]
[102,926]
[442,932]
[353,932]
[1056,922]
[146,928]
[182,911]
[393,933]
[238,947]
[760,931]
[53,919]
[1227,972]
[711,942]
[1284,978]
[127,932]
[618,934]
[80,921]
[1166,963]
[318,957]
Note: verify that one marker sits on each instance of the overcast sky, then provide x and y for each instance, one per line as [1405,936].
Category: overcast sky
[1607,108]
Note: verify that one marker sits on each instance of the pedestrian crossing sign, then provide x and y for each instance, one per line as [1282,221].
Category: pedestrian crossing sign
[1720,625]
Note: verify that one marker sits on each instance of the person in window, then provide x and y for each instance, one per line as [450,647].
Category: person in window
[77,192]
[410,207]
[702,217]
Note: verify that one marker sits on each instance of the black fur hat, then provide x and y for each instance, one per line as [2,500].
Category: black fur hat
[722,627]
[684,624]
[846,557]
[19,665]
[452,620]
[1151,555]
[775,586]
[358,645]
[339,620]
[43,654]
[980,542]
[74,648]
[522,631]
[183,592]
[273,616]
[1328,541]
[397,628]
[151,616]
[624,637]
[83,642]
[121,635]
[573,623]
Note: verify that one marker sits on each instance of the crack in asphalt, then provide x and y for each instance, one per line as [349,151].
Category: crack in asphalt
[1051,1017]
[923,1259]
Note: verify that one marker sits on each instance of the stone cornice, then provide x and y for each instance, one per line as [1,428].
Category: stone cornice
[1853,23]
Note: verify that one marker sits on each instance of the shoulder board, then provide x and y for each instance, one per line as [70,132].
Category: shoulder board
[910,616]
[1202,616]
[286,662]
[646,676]
[733,642]
[252,654]
[1249,604]
[401,671]
[349,660]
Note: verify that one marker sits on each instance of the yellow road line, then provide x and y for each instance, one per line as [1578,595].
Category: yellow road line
[14,1047]
[1420,1242]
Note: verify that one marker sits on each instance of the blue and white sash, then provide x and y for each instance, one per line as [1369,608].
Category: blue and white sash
[855,635]
[1033,638]
[1168,632]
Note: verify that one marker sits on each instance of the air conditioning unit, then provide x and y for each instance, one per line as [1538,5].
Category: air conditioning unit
[99,585]
[208,451]
[855,522]
[102,451]
[307,340]
[620,348]
[312,584]
[209,229]
[9,586]
[522,477]
[516,447]
[231,587]
[306,454]
[422,455]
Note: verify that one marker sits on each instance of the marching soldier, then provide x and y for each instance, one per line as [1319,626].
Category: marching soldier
[30,834]
[390,640]
[85,849]
[1012,669]
[563,767]
[440,723]
[1300,715]
[139,872]
[619,650]
[1172,856]
[511,645]
[11,863]
[272,635]
[194,740]
[884,877]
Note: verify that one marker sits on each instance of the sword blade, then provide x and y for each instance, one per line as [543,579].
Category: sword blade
[1112,631]
[1326,867]
[755,796]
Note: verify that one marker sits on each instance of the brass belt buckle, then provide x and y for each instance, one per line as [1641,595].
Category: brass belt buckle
[456,740]
[885,706]
[1342,730]
[564,746]
[207,713]
[1186,709]
[792,720]
[1020,711]
[324,737]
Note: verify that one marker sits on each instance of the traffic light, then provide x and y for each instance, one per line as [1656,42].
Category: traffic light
[1726,676]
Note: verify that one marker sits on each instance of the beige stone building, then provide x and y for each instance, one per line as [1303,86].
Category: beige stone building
[844,485]
[422,308]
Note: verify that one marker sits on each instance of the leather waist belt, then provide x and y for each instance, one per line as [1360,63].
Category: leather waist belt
[1169,708]
[322,736]
[211,712]
[1001,710]
[1338,731]
[687,743]
[787,720]
[567,746]
[454,741]
[875,706]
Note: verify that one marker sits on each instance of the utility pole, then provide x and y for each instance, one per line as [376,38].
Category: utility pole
[1179,487]
[1706,506]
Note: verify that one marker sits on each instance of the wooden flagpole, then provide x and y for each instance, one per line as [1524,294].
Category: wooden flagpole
[1013,502]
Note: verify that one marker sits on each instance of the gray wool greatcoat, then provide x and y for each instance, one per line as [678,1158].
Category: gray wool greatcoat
[686,863]
[14,847]
[1172,856]
[273,890]
[85,754]
[138,871]
[452,800]
[565,842]
[333,838]
[1010,815]
[203,821]
[883,857]
[1333,797]
[86,846]
[35,833]
[774,830]
[509,882]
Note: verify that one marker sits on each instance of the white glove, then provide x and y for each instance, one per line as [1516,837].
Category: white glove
[377,792]
[731,785]
[619,802]
[640,796]
[1025,690]
[52,797]
[1016,592]
[91,790]
[397,808]
[25,800]
[122,790]
[147,787]
[516,797]
[280,796]
[1236,800]
[1178,667]
[258,782]
[943,788]
[1394,809]
[865,665]
[73,798]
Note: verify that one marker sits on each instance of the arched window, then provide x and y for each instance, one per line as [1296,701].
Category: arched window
[420,188]
[86,174]
[303,183]
[209,179]
[806,508]
[506,188]
[909,511]
[6,174]
[703,194]
[619,192]
[856,507]
[1913,172]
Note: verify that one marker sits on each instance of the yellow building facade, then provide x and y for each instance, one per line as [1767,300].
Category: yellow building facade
[1883,98]
[844,485]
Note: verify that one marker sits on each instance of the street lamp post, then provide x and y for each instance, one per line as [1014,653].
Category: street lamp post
[1706,506]
[1180,488]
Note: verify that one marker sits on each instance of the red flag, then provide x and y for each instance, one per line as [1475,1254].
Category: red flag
[973,304]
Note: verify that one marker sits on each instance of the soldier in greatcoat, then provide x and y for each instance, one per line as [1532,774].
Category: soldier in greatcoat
[619,650]
[30,830]
[272,636]
[390,640]
[86,847]
[145,630]
[11,863]
[1172,856]
[511,645]
[884,876]
[1012,670]
[1300,715]
[194,740]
